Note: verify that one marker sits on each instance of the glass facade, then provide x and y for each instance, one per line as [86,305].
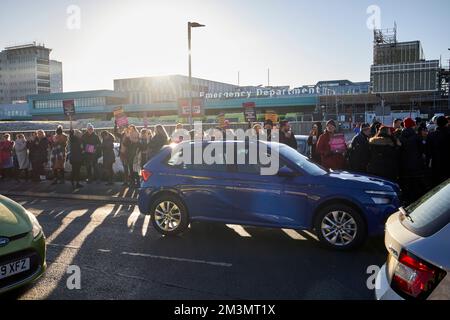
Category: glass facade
[422,76]
[79,103]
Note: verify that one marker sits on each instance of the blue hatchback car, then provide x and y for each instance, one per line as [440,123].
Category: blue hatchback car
[342,208]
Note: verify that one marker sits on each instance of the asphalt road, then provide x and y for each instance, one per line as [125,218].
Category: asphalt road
[120,256]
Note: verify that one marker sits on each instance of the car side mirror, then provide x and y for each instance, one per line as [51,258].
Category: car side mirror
[287,172]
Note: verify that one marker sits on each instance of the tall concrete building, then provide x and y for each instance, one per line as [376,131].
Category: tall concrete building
[401,66]
[56,76]
[25,70]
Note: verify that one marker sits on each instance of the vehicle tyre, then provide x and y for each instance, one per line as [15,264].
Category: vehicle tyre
[169,215]
[340,227]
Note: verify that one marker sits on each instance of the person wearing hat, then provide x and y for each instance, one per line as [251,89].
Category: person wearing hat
[91,148]
[358,154]
[438,151]
[412,166]
[330,159]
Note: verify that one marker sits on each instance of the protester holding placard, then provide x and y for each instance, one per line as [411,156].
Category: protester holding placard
[332,148]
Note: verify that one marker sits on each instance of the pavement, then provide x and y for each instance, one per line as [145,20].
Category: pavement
[97,191]
[120,256]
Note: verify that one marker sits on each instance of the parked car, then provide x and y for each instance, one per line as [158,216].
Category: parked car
[343,208]
[22,246]
[302,145]
[418,242]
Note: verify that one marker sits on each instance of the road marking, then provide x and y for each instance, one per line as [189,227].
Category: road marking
[212,263]
[294,234]
[239,230]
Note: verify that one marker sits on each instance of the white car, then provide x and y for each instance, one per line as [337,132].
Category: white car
[418,242]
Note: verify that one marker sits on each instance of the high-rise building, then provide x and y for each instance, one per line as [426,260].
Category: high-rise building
[401,66]
[56,76]
[24,70]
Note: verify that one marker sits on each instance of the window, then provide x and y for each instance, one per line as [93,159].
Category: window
[431,213]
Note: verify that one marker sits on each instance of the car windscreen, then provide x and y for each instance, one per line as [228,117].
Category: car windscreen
[431,213]
[301,161]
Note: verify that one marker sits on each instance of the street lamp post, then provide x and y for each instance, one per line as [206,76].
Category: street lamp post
[190,26]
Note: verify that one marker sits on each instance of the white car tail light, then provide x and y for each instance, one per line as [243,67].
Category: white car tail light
[415,278]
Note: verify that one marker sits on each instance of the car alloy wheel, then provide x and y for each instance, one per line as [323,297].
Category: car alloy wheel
[167,216]
[339,228]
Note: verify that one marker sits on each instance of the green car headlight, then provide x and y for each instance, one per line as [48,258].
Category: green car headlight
[37,229]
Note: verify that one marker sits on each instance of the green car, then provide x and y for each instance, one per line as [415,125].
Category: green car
[22,246]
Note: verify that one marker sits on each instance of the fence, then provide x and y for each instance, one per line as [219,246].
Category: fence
[300,128]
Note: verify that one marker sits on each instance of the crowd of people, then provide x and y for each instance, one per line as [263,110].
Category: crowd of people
[27,157]
[411,152]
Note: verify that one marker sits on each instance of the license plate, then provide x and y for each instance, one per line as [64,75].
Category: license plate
[14,268]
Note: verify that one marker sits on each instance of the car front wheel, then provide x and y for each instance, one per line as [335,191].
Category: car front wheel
[340,227]
[169,215]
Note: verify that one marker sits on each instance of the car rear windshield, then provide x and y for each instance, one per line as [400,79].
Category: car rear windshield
[431,213]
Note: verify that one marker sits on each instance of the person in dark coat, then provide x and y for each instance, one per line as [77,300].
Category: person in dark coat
[397,128]
[159,140]
[91,146]
[358,153]
[330,159]
[109,157]
[412,168]
[313,138]
[287,137]
[383,155]
[38,147]
[374,128]
[76,156]
[438,152]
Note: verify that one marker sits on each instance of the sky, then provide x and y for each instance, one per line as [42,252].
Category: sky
[301,42]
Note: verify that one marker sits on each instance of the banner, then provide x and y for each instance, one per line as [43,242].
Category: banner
[120,117]
[337,143]
[197,107]
[69,107]
[249,111]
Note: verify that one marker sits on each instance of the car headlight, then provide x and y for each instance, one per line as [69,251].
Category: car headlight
[381,197]
[37,229]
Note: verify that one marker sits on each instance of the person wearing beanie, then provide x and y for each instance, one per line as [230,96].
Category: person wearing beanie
[438,151]
[412,164]
[330,159]
[409,123]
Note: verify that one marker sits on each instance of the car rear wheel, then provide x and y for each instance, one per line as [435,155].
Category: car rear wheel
[169,215]
[340,227]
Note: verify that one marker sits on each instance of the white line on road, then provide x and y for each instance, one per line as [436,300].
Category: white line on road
[212,263]
[218,264]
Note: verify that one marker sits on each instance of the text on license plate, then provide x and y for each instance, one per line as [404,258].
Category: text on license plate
[14,268]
